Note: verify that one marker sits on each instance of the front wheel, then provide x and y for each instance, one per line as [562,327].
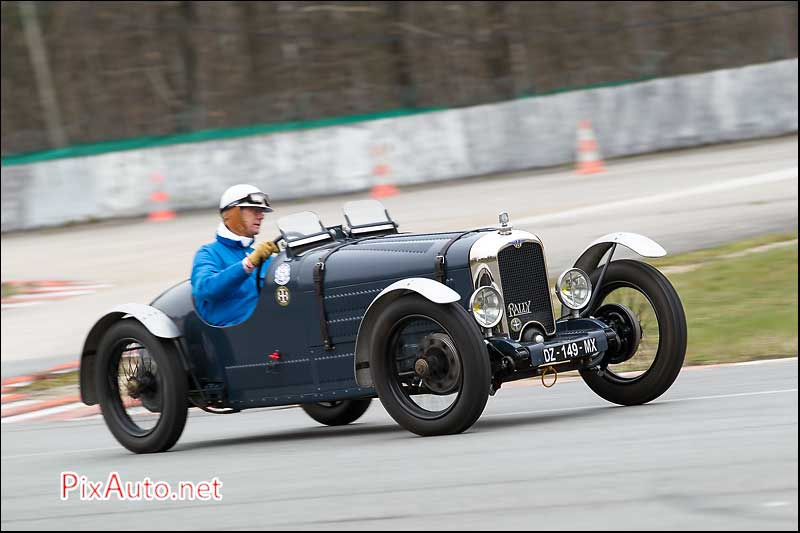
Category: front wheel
[338,413]
[141,388]
[429,365]
[642,306]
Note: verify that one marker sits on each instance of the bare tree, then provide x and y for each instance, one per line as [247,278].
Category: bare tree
[130,69]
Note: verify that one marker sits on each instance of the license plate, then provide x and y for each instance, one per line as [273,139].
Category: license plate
[570,350]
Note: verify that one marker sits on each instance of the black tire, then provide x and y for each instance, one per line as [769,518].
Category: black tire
[470,389]
[668,352]
[338,413]
[127,343]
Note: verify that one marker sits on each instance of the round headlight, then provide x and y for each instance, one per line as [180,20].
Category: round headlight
[574,288]
[487,306]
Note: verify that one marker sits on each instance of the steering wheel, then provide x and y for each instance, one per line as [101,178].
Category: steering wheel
[275,241]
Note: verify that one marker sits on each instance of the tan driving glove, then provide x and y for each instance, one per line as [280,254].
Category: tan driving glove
[262,251]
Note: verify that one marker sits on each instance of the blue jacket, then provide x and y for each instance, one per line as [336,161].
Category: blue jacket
[224,293]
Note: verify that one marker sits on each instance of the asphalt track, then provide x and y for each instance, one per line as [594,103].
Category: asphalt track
[685,200]
[717,452]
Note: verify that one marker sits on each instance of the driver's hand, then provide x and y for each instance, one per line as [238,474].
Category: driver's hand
[262,251]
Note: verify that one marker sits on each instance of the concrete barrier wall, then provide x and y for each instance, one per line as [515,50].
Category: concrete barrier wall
[726,105]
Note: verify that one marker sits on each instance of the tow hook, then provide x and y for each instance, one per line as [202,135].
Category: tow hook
[549,371]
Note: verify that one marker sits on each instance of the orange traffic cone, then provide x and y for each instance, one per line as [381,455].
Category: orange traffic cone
[382,171]
[159,199]
[588,153]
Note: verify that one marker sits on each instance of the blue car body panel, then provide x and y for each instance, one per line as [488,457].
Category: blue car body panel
[237,359]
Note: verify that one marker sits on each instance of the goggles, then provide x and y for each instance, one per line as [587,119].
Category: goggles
[254,199]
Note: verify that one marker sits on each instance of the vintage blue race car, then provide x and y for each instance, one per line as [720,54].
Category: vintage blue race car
[432,324]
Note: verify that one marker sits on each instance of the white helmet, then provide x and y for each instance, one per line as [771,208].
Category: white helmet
[244,195]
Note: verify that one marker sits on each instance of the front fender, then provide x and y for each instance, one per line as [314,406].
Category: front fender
[153,319]
[644,246]
[430,289]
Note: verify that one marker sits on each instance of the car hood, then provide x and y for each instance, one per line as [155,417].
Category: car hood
[389,257]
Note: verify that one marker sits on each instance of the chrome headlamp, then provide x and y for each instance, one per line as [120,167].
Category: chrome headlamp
[487,306]
[574,288]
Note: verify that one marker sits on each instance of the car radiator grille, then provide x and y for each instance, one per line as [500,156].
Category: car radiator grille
[523,275]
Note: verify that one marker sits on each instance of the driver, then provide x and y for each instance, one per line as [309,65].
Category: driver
[223,279]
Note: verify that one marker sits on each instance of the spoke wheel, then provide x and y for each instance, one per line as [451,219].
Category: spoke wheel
[142,388]
[429,366]
[629,311]
[135,386]
[643,307]
[426,375]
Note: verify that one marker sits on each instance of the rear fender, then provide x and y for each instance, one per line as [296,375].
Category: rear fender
[430,289]
[153,319]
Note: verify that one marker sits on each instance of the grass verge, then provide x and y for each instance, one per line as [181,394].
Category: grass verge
[739,306]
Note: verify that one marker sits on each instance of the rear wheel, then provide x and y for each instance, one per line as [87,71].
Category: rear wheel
[642,306]
[338,413]
[141,388]
[429,366]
